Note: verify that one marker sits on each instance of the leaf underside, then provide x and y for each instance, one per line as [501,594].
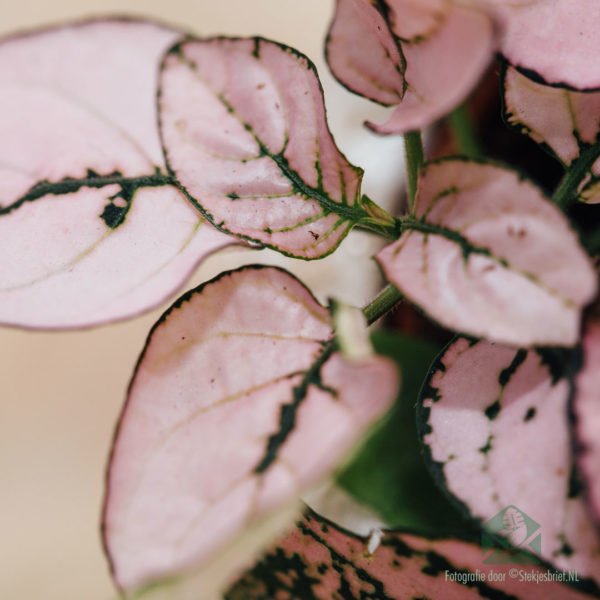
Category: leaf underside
[552,40]
[482,236]
[564,122]
[244,132]
[91,228]
[494,422]
[238,404]
[319,561]
[424,57]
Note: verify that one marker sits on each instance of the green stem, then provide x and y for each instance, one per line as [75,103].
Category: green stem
[464,133]
[413,150]
[566,192]
[381,304]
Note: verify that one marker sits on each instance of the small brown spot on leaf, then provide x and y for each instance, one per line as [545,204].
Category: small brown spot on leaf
[520,232]
[315,235]
[260,86]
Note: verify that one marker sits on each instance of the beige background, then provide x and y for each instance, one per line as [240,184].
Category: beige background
[60,394]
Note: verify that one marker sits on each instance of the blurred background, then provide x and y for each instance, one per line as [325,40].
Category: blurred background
[61,393]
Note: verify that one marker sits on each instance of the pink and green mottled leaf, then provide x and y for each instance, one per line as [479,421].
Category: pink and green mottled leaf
[495,424]
[424,57]
[481,237]
[319,561]
[553,40]
[244,131]
[239,403]
[91,227]
[565,122]
[587,414]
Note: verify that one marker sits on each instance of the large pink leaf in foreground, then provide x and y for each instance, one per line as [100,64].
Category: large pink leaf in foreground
[556,40]
[237,405]
[244,131]
[496,427]
[487,254]
[565,122]
[424,57]
[319,561]
[91,229]
[587,413]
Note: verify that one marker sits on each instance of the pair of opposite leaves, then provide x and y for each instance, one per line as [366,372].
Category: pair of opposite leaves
[92,186]
[94,227]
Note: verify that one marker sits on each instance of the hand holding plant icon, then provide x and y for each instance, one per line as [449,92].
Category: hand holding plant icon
[515,528]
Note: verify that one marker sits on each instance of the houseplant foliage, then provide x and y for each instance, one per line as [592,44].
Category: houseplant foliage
[248,392]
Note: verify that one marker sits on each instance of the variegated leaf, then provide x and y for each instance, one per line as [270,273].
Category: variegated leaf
[566,123]
[238,404]
[553,40]
[91,227]
[424,57]
[587,413]
[319,561]
[486,254]
[244,132]
[495,423]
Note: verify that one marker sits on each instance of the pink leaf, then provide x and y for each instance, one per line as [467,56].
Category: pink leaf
[587,412]
[319,561]
[238,404]
[557,40]
[424,57]
[481,238]
[244,130]
[566,122]
[91,228]
[495,423]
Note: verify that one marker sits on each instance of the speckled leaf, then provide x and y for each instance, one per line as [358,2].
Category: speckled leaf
[488,255]
[319,561]
[555,40]
[424,57]
[244,131]
[239,402]
[495,424]
[90,228]
[587,413]
[566,123]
